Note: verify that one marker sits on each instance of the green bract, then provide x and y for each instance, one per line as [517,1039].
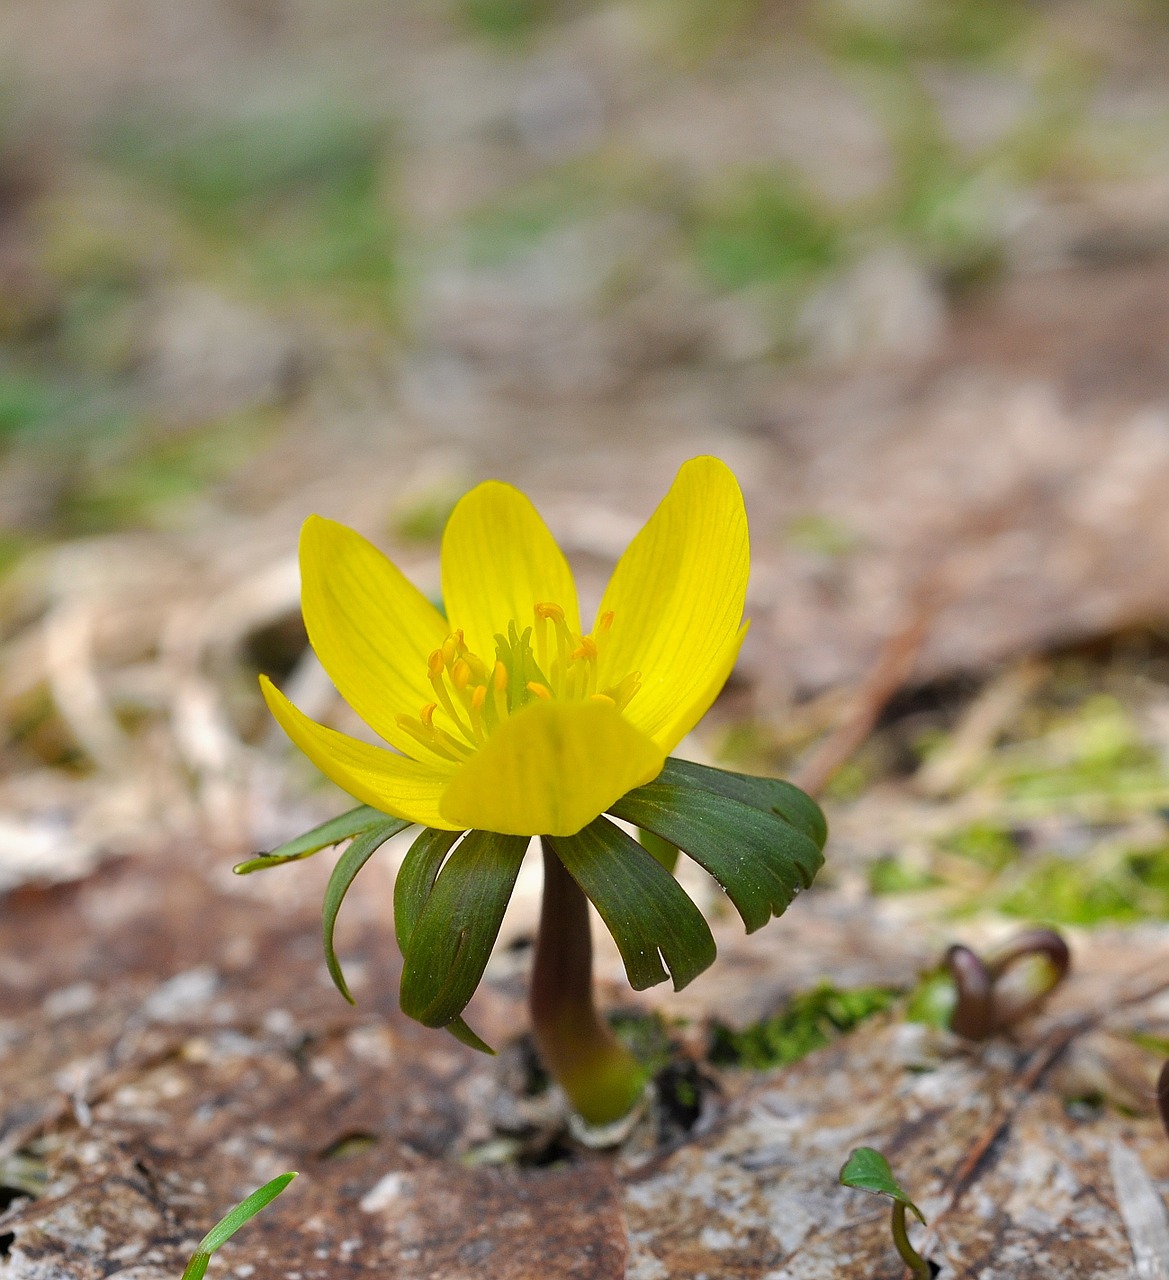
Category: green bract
[760,838]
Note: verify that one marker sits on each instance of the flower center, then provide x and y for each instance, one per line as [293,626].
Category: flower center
[471,699]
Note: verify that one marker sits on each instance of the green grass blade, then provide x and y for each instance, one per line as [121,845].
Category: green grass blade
[228,1225]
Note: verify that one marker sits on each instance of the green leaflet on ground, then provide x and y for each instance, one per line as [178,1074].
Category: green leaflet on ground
[868,1170]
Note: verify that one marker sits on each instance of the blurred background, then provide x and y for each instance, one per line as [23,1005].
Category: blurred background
[904,264]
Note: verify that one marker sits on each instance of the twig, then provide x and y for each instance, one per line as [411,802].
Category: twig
[891,671]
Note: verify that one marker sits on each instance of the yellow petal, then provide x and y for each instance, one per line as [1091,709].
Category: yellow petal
[498,562]
[677,599]
[371,628]
[397,786]
[550,770]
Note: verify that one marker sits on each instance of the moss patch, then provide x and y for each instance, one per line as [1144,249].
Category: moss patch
[808,1022]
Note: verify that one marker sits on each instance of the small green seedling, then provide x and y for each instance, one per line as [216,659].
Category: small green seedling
[868,1170]
[977,997]
[228,1225]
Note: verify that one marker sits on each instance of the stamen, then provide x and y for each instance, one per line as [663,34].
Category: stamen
[544,614]
[586,652]
[478,698]
[433,739]
[499,692]
[624,689]
[446,702]
[478,667]
[604,624]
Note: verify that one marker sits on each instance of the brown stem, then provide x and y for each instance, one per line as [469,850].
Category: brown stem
[600,1076]
[973,1015]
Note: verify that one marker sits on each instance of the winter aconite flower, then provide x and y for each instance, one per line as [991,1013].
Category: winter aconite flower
[508,719]
[509,715]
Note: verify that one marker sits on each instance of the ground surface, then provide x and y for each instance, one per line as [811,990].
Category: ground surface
[905,268]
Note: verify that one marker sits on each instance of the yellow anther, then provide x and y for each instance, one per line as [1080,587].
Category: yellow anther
[551,611]
[624,689]
[499,692]
[587,649]
[442,744]
[442,693]
[450,650]
[478,668]
[499,677]
[461,674]
[477,699]
[435,664]
[602,697]
[541,691]
[605,622]
[426,715]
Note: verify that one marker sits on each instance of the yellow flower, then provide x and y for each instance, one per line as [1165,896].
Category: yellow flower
[509,717]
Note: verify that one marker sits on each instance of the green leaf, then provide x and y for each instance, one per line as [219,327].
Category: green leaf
[772,795]
[416,877]
[453,935]
[868,1170]
[759,858]
[228,1225]
[343,827]
[344,873]
[649,915]
[464,1035]
[665,852]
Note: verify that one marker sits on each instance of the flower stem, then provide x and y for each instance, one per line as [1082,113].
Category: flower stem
[912,1259]
[601,1078]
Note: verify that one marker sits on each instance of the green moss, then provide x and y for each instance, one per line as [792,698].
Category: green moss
[423,517]
[962,30]
[144,481]
[983,843]
[766,229]
[821,535]
[889,874]
[506,21]
[808,1022]
[29,404]
[646,1036]
[1095,752]
[933,999]
[849,781]
[1133,886]
[298,199]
